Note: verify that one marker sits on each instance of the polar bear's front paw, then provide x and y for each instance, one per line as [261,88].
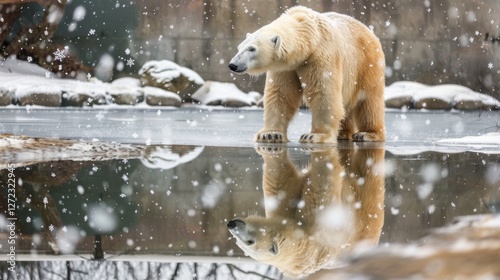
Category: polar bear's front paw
[270,137]
[317,138]
[368,137]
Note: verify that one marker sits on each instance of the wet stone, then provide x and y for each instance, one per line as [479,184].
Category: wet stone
[42,96]
[123,95]
[468,105]
[6,96]
[432,104]
[159,97]
[399,102]
[82,99]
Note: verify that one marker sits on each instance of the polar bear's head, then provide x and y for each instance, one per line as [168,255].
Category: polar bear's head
[273,241]
[256,54]
[282,45]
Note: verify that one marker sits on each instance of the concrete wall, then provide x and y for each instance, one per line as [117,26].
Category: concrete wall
[430,41]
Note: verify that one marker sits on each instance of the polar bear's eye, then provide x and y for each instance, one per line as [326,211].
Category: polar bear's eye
[274,249]
[250,242]
[252,49]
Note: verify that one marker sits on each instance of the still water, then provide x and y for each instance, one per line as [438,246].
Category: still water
[128,210]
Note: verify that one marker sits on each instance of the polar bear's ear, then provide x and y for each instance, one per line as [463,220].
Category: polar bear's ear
[276,40]
[248,35]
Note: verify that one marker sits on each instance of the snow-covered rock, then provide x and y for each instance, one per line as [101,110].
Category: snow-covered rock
[172,77]
[127,81]
[439,97]
[125,95]
[225,94]
[43,95]
[13,65]
[159,97]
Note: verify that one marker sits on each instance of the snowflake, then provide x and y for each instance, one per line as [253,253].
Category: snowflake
[45,200]
[30,59]
[92,32]
[85,218]
[387,23]
[51,227]
[64,210]
[490,65]
[28,219]
[89,76]
[127,51]
[427,122]
[47,75]
[123,195]
[59,55]
[130,62]
[28,200]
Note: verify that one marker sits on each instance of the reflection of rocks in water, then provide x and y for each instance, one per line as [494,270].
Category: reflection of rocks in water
[315,216]
[46,168]
[468,249]
[24,150]
[169,157]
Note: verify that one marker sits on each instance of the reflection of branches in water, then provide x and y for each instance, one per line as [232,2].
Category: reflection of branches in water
[231,266]
[137,270]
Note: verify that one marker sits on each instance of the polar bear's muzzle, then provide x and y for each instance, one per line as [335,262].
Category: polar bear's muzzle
[239,230]
[237,68]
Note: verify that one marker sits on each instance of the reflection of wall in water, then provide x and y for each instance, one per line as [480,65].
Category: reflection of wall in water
[462,188]
[427,41]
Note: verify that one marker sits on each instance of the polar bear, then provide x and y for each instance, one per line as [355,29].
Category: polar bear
[313,217]
[332,62]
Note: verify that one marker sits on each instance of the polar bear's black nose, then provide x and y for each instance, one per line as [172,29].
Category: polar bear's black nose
[235,223]
[233,67]
[231,224]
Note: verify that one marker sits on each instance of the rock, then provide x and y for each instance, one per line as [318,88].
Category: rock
[399,102]
[6,96]
[225,94]
[169,76]
[475,101]
[81,99]
[125,95]
[468,105]
[400,94]
[159,97]
[43,95]
[234,103]
[431,103]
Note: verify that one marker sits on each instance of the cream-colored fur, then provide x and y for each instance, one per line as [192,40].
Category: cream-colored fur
[331,61]
[313,217]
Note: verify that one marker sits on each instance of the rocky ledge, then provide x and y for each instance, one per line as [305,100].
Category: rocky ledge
[413,95]
[161,83]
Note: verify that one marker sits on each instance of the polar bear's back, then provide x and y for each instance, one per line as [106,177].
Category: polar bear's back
[336,19]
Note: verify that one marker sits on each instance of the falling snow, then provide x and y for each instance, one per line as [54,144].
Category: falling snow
[130,62]
[59,55]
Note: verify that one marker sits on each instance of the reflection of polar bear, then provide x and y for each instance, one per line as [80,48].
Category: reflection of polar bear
[331,61]
[313,217]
